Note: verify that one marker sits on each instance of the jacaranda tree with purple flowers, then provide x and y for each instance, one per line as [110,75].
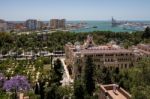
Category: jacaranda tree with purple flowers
[17,83]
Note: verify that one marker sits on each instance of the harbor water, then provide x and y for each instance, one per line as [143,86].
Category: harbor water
[104,26]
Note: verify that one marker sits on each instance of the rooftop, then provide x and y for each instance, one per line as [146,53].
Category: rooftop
[89,47]
[116,95]
[144,45]
[114,92]
[105,49]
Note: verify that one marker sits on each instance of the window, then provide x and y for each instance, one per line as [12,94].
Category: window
[98,66]
[125,65]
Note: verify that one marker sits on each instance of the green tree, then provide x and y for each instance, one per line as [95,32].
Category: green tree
[115,75]
[146,33]
[78,89]
[88,76]
[107,77]
[65,91]
[140,76]
[39,63]
[141,92]
[124,79]
[57,72]
[58,92]
[103,75]
[53,93]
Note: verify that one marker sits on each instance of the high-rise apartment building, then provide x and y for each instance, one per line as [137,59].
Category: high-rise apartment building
[31,24]
[57,23]
[3,25]
[39,25]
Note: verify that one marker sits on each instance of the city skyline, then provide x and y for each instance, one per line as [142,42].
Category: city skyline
[16,10]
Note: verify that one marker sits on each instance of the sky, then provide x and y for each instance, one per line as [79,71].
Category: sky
[19,10]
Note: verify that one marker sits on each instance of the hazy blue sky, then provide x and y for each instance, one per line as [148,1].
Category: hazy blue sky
[75,9]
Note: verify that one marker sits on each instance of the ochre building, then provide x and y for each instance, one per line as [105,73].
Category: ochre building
[109,55]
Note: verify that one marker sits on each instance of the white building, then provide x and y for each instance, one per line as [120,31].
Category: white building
[3,25]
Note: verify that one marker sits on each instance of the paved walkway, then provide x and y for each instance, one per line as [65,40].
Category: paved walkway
[66,77]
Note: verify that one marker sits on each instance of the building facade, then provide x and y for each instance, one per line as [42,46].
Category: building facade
[110,55]
[140,51]
[31,24]
[3,25]
[39,25]
[57,23]
[144,49]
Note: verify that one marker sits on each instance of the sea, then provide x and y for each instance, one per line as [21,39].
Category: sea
[104,26]
[101,26]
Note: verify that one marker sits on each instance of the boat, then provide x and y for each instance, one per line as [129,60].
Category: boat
[94,26]
[116,23]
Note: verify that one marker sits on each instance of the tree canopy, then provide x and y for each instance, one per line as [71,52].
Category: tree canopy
[88,76]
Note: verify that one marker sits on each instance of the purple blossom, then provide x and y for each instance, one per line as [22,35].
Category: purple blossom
[17,83]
